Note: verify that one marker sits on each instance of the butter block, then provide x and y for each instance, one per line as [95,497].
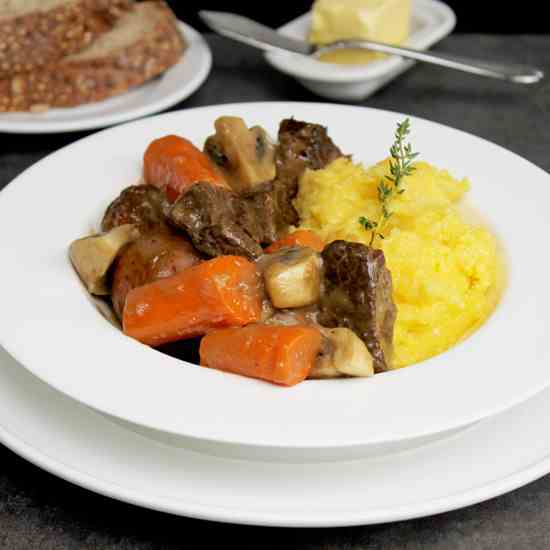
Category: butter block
[381,20]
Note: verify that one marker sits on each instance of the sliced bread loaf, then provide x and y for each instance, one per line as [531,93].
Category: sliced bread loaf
[143,43]
[34,33]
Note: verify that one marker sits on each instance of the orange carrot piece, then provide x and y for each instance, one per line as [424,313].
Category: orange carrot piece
[219,293]
[173,164]
[280,354]
[301,237]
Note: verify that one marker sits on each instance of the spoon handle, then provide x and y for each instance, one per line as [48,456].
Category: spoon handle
[523,74]
[254,34]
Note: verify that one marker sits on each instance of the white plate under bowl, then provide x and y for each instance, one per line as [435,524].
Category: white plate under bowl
[174,85]
[431,21]
[49,324]
[77,444]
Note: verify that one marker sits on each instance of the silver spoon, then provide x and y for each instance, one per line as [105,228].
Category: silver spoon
[250,32]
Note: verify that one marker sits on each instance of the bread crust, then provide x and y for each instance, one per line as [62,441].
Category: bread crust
[36,39]
[75,82]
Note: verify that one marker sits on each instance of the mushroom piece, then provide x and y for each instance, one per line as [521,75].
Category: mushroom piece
[293,277]
[245,156]
[344,354]
[93,256]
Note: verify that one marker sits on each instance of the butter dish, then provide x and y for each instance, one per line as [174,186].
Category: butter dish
[431,21]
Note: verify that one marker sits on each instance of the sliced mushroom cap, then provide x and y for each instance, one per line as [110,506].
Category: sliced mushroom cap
[344,354]
[293,277]
[93,256]
[245,156]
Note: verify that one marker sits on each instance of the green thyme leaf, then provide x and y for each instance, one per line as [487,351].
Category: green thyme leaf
[402,157]
[369,225]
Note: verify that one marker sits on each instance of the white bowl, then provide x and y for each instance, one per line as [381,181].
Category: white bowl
[49,324]
[430,22]
[74,443]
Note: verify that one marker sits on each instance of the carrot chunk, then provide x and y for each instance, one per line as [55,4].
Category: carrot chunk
[219,293]
[280,354]
[301,237]
[172,163]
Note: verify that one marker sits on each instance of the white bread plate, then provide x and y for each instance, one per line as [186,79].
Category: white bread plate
[431,21]
[173,86]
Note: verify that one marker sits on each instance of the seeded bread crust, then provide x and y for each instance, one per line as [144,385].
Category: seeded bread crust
[36,39]
[74,82]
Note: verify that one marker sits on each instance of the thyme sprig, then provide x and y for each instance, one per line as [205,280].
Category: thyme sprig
[401,166]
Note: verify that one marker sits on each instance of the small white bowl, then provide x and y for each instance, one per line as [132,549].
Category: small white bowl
[430,22]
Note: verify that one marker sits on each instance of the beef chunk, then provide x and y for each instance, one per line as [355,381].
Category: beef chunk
[283,193]
[141,205]
[216,221]
[219,221]
[301,145]
[265,208]
[358,295]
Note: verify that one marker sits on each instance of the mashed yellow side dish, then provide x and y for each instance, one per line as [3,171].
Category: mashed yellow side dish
[444,269]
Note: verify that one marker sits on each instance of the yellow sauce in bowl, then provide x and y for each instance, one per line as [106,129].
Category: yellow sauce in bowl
[350,56]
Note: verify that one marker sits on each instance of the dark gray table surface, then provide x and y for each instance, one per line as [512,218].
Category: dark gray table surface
[38,510]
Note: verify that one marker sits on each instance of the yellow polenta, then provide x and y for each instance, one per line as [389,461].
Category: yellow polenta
[444,270]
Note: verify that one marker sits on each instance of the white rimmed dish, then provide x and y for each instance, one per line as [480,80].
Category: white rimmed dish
[431,21]
[49,324]
[176,84]
[73,442]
